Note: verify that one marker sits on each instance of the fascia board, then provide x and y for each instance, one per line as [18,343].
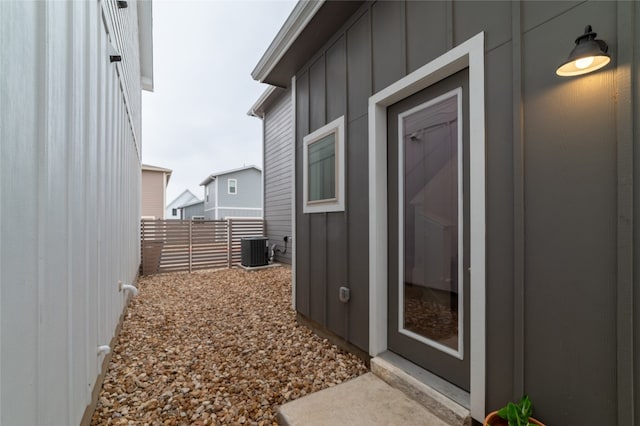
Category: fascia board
[145,41]
[257,110]
[208,180]
[149,167]
[297,21]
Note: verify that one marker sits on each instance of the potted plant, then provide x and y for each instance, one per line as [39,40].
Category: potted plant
[513,415]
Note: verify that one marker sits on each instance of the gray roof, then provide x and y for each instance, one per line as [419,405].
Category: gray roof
[213,176]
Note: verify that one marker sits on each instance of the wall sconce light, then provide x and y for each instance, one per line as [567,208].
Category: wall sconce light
[588,55]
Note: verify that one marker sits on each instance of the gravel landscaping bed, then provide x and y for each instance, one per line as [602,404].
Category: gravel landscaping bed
[215,347]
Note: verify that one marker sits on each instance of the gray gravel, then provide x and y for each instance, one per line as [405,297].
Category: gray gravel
[215,347]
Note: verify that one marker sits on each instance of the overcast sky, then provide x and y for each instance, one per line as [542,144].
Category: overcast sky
[195,122]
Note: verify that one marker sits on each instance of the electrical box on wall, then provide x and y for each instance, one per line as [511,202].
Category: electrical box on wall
[345,294]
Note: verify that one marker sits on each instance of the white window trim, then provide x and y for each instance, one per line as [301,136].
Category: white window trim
[335,204]
[468,54]
[235,186]
[293,196]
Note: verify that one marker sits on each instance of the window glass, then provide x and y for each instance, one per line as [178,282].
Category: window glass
[232,186]
[323,175]
[322,169]
[431,193]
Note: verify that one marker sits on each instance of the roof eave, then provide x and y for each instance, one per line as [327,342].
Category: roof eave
[226,172]
[208,180]
[193,203]
[145,41]
[152,168]
[297,21]
[258,108]
[310,25]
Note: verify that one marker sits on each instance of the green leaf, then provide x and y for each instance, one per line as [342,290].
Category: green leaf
[517,414]
[526,407]
[503,413]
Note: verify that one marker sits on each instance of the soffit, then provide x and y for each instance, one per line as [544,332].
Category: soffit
[298,41]
[145,40]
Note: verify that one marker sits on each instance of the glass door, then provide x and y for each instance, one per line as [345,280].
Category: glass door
[428,225]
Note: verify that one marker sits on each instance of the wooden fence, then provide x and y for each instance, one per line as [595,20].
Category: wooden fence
[189,245]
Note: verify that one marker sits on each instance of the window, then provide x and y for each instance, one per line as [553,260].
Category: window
[174,212]
[232,186]
[323,169]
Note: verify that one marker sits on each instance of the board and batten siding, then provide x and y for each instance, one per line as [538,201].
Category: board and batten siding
[278,173]
[560,291]
[69,200]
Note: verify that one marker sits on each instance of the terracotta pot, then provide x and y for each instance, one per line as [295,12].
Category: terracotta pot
[493,419]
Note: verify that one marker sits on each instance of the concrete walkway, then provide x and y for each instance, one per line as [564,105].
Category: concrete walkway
[365,400]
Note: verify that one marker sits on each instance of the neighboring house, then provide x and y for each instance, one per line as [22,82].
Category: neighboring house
[154,191]
[173,208]
[275,108]
[479,207]
[69,199]
[234,193]
[193,210]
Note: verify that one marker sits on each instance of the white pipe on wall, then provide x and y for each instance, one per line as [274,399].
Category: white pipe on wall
[131,288]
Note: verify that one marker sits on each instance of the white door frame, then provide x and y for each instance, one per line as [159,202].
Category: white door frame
[468,54]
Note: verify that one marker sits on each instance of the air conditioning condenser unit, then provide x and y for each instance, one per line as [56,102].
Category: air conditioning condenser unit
[254,251]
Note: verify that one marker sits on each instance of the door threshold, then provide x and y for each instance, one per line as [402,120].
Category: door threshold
[447,401]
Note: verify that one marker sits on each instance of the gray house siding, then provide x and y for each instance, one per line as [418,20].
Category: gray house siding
[229,212]
[192,210]
[247,202]
[277,169]
[210,200]
[249,191]
[559,290]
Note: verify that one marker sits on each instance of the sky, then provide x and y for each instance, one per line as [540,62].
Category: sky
[195,121]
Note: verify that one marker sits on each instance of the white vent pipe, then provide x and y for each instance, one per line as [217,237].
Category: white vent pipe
[128,287]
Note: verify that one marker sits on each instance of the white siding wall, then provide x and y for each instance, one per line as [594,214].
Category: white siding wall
[69,200]
[185,198]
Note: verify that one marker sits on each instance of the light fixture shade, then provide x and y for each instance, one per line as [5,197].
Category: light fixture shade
[588,55]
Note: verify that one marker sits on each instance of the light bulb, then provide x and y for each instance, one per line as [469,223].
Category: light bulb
[583,63]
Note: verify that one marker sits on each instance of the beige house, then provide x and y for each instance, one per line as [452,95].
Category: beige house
[154,185]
